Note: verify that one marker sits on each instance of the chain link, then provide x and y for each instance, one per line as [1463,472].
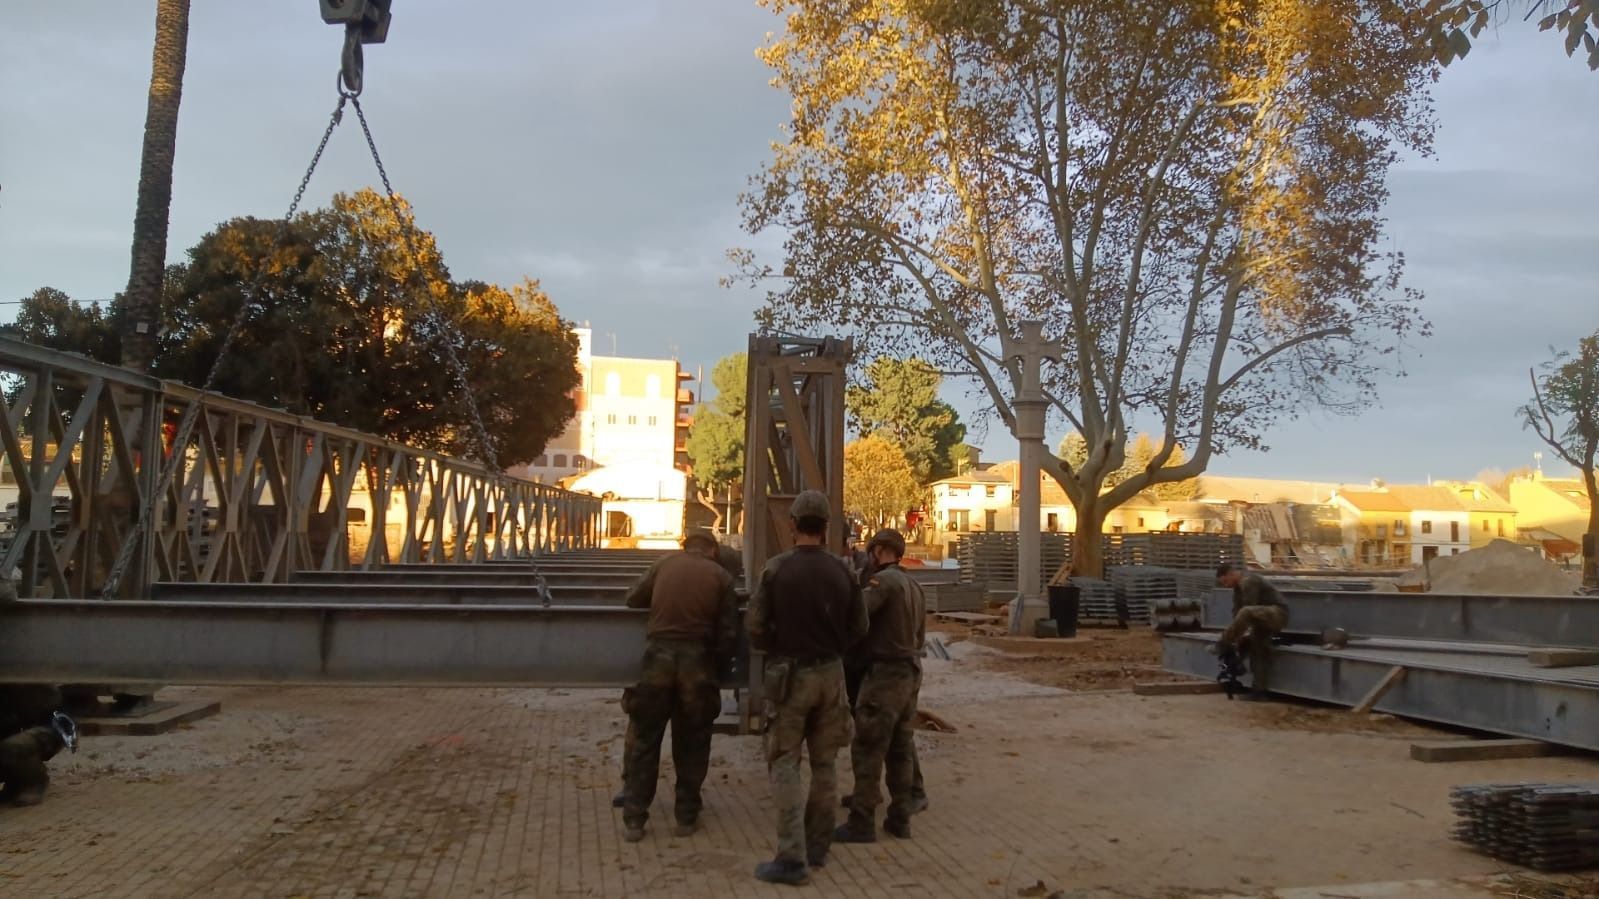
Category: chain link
[180,439]
[445,328]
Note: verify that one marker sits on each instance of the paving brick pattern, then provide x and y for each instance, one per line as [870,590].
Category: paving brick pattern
[348,793]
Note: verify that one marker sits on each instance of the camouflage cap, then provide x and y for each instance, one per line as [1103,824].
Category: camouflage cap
[887,538]
[810,504]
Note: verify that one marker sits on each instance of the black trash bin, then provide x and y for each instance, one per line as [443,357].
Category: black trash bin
[1063,603]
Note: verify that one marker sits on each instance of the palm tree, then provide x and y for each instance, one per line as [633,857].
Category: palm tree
[143,298]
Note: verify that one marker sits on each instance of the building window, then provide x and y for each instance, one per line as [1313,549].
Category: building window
[632,419]
[1117,529]
[1501,527]
[1140,521]
[1426,527]
[991,490]
[579,462]
[613,384]
[1485,525]
[541,462]
[1454,550]
[560,460]
[1454,532]
[610,419]
[652,387]
[1399,529]
[652,421]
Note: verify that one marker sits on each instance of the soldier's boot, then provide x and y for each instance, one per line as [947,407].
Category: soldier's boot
[858,829]
[918,804]
[779,871]
[33,795]
[898,827]
[633,834]
[619,800]
[816,858]
[687,828]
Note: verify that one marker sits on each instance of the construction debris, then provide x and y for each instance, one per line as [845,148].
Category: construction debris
[926,720]
[1501,567]
[1549,827]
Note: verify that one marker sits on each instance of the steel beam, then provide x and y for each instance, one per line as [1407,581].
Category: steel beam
[1527,620]
[618,579]
[1481,692]
[388,594]
[69,641]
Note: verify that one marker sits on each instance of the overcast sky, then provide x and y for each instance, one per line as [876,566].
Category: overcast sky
[602,152]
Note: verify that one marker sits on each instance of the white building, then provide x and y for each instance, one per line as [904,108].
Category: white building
[632,415]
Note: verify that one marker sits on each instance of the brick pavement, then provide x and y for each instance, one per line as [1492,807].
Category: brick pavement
[345,793]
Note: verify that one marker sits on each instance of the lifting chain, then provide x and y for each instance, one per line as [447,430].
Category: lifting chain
[446,329]
[169,469]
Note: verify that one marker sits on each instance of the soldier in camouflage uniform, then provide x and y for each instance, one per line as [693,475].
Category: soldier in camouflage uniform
[806,612]
[1259,614]
[693,624]
[886,708]
[28,738]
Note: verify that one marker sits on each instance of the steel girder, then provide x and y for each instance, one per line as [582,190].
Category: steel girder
[1482,692]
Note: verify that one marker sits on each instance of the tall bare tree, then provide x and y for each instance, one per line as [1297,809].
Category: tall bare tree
[154,206]
[1564,413]
[1189,193]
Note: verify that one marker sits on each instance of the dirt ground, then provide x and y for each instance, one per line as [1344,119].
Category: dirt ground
[1055,783]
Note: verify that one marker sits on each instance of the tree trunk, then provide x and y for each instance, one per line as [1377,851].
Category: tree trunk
[1590,546]
[150,216]
[709,503]
[1088,545]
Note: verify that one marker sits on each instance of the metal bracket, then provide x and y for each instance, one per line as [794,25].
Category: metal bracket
[365,22]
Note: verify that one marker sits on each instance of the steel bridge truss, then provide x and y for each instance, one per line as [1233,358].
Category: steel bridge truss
[257,495]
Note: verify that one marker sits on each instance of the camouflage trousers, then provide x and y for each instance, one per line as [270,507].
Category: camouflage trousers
[854,676]
[885,741]
[677,687]
[808,712]
[1257,625]
[22,758]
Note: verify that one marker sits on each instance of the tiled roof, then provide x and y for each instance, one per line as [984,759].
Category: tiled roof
[1404,498]
[1476,497]
[1222,488]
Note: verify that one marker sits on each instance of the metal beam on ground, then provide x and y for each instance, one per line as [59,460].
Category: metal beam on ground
[388,594]
[1483,692]
[133,642]
[1571,621]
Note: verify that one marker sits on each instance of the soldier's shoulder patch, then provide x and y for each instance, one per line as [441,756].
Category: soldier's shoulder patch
[873,582]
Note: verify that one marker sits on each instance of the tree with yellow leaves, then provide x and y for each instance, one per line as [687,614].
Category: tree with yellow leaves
[1189,193]
[879,484]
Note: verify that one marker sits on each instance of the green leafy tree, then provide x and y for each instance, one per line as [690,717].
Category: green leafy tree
[339,329]
[716,439]
[50,318]
[898,401]
[1189,196]
[1564,413]
[880,485]
[1451,25]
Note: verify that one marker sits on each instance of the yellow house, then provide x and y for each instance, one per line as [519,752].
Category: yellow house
[1552,511]
[1057,513]
[1491,516]
[1401,525]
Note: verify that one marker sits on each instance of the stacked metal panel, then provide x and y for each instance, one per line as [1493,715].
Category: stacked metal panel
[1097,601]
[1139,587]
[1546,826]
[1176,615]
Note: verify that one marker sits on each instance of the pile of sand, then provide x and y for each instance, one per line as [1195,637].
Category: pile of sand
[1500,567]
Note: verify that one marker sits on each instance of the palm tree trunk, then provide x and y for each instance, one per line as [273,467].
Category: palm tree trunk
[143,298]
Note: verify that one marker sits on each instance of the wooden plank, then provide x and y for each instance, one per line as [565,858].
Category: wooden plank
[1480,750]
[1394,676]
[1177,688]
[1562,658]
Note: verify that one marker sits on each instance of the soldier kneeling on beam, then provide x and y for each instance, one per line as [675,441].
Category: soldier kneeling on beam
[1259,614]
